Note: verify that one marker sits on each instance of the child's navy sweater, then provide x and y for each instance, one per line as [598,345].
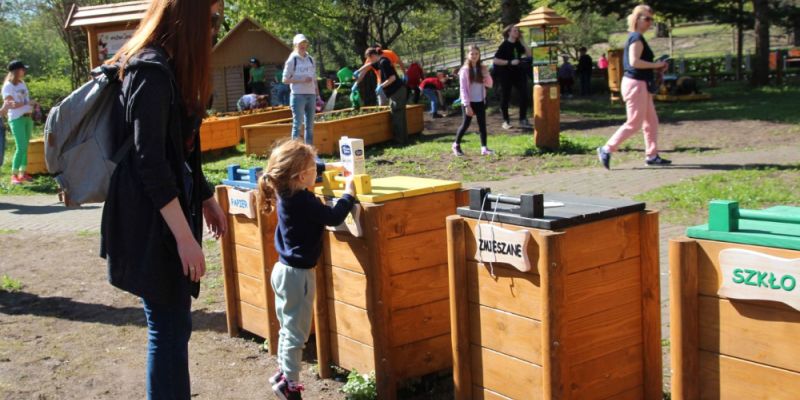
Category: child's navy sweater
[301,219]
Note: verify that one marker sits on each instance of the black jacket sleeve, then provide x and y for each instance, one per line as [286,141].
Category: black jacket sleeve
[330,216]
[150,104]
[206,190]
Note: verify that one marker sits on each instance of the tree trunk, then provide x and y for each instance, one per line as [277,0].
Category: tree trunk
[739,40]
[796,30]
[761,67]
[510,12]
[662,29]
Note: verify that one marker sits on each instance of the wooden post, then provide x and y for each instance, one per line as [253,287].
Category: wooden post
[684,324]
[378,302]
[551,270]
[228,271]
[546,116]
[459,312]
[266,225]
[651,305]
[778,67]
[321,322]
[94,57]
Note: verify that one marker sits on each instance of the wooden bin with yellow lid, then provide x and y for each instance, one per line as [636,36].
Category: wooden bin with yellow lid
[382,298]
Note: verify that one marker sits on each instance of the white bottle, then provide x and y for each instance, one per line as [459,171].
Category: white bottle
[351,151]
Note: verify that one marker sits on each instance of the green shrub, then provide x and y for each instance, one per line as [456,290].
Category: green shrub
[360,387]
[49,91]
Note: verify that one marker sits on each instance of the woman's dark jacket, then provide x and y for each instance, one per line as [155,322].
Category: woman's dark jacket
[141,251]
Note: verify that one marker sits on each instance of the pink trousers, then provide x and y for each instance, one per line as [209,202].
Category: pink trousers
[641,115]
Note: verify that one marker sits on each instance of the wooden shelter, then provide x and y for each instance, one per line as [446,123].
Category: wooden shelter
[107,26]
[230,60]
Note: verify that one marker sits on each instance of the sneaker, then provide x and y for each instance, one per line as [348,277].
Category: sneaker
[485,151]
[524,124]
[507,125]
[15,180]
[657,161]
[604,157]
[457,150]
[274,379]
[26,178]
[288,390]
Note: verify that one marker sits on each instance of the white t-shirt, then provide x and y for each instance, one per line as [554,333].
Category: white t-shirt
[304,67]
[249,101]
[19,93]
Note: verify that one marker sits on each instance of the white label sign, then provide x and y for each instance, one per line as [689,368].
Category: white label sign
[751,275]
[109,43]
[242,202]
[498,245]
[352,223]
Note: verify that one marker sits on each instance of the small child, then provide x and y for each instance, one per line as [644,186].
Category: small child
[292,168]
[432,88]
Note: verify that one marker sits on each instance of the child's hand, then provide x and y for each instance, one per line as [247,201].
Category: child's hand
[334,166]
[350,186]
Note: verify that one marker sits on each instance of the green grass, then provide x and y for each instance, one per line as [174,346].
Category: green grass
[754,187]
[8,231]
[10,284]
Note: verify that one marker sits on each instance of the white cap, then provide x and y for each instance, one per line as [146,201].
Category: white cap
[299,38]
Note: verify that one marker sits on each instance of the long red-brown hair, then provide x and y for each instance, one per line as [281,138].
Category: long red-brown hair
[183,29]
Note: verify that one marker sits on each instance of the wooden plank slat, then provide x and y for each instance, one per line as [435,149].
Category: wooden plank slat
[423,357]
[348,251]
[723,377]
[750,332]
[607,376]
[480,393]
[418,214]
[249,262]
[506,375]
[250,291]
[350,321]
[420,322]
[350,354]
[513,291]
[599,289]
[583,250]
[506,333]
[459,314]
[245,232]
[683,317]
[346,286]
[228,264]
[604,333]
[417,251]
[555,363]
[418,287]
[253,319]
[651,305]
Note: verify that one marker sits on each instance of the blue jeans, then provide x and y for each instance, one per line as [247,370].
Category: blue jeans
[169,328]
[303,108]
[433,96]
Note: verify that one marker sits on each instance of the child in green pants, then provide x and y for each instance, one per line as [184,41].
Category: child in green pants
[292,168]
[20,108]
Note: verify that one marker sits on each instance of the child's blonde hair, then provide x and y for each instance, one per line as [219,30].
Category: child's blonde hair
[287,161]
[638,11]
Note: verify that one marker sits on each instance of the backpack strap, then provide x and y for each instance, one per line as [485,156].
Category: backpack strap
[123,151]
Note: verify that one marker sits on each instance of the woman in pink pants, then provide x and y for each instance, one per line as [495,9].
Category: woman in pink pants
[639,72]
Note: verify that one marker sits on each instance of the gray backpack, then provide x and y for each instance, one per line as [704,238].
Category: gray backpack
[79,138]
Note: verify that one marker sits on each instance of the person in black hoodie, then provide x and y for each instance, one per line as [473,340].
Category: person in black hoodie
[157,198]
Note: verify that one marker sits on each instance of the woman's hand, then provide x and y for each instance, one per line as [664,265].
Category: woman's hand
[469,111]
[192,259]
[216,222]
[514,62]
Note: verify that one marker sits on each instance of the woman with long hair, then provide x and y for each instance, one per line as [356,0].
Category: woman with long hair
[512,74]
[474,78]
[20,118]
[639,69]
[157,199]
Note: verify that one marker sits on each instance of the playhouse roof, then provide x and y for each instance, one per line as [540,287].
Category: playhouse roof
[245,23]
[543,16]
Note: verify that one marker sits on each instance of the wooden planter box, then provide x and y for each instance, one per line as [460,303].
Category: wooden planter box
[226,131]
[373,128]
[615,73]
[382,298]
[36,163]
[730,346]
[248,256]
[582,323]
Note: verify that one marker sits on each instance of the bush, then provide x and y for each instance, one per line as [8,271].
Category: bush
[360,387]
[49,91]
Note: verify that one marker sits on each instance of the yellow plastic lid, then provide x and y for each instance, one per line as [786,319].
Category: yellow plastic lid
[396,187]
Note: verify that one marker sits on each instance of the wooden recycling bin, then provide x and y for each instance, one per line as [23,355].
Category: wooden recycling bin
[563,305]
[248,256]
[735,305]
[382,298]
